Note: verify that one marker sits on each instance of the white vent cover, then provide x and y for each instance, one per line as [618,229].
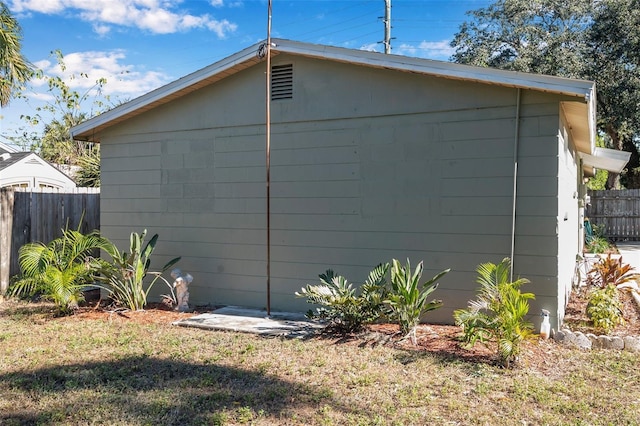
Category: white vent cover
[281,82]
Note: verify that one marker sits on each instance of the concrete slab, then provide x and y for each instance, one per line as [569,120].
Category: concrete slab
[245,320]
[630,252]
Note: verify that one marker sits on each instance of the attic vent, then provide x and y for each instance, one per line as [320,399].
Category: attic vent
[281,82]
[33,161]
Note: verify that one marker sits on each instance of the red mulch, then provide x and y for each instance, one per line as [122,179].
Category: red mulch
[440,340]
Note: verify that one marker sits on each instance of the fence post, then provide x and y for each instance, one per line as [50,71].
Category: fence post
[6,225]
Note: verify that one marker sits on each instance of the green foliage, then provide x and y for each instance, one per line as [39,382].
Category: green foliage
[60,270]
[408,299]
[593,40]
[499,312]
[604,308]
[89,173]
[15,70]
[125,278]
[598,245]
[341,305]
[610,271]
[599,181]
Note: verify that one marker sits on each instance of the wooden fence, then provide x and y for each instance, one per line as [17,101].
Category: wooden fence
[618,211]
[40,215]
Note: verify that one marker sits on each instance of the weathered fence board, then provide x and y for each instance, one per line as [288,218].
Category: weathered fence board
[40,215]
[618,211]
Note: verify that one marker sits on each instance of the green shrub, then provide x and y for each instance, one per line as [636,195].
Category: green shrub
[407,299]
[125,277]
[61,270]
[605,308]
[499,312]
[341,305]
[598,245]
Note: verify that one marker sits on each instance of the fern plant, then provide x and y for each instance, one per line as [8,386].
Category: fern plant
[499,312]
[408,299]
[61,270]
[344,307]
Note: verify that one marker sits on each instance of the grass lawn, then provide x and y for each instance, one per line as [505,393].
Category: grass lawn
[114,370]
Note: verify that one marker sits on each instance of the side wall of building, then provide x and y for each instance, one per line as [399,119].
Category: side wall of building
[366,165]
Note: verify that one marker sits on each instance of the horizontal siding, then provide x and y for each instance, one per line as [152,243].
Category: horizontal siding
[427,174]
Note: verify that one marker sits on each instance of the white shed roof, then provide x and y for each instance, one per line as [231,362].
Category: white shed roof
[580,114]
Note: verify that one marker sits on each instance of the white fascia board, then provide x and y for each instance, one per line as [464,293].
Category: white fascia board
[572,87]
[606,159]
[167,90]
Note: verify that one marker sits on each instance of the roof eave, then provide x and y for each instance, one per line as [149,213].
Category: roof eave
[90,129]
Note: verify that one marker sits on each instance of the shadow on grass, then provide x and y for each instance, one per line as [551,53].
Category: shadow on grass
[143,390]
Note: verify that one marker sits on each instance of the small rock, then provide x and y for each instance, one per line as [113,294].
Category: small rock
[558,336]
[604,342]
[594,340]
[617,343]
[582,341]
[569,337]
[632,344]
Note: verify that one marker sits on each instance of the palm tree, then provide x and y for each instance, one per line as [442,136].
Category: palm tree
[14,67]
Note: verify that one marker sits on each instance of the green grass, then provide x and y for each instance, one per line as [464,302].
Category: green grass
[64,371]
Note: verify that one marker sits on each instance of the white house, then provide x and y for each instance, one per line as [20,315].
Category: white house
[28,170]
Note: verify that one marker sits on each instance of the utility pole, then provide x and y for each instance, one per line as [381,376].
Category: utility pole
[387,26]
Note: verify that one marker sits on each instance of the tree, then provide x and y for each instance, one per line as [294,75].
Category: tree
[592,39]
[67,109]
[614,55]
[15,70]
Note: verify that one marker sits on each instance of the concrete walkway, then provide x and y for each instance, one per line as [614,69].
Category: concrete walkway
[630,251]
[235,318]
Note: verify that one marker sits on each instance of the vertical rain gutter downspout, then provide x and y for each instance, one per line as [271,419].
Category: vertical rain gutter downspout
[268,158]
[516,143]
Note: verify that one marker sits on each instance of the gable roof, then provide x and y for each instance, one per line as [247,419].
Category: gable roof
[17,159]
[580,114]
[9,159]
[4,148]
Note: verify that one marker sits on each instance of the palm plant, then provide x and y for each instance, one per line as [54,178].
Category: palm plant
[61,270]
[341,304]
[499,312]
[14,68]
[407,300]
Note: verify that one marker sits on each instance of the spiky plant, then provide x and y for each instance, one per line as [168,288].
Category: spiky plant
[611,271]
[125,278]
[408,299]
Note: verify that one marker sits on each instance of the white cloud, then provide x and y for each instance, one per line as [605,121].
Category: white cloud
[83,69]
[371,47]
[426,49]
[156,16]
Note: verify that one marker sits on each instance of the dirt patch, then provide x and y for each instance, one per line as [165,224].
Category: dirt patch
[154,313]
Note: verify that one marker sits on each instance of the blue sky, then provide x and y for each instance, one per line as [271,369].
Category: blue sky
[139,45]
